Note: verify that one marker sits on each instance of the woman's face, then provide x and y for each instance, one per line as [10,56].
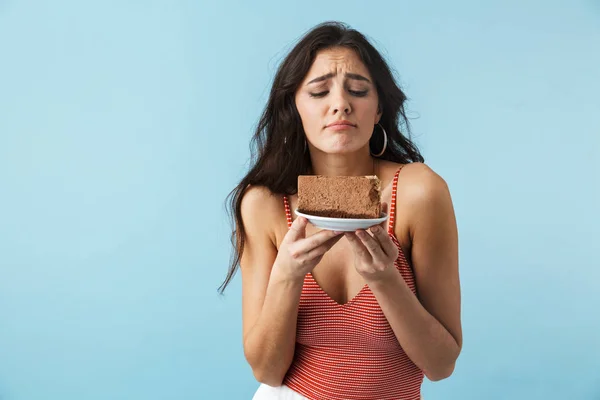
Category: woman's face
[338,87]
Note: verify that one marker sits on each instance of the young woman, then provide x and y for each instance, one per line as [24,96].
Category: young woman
[355,315]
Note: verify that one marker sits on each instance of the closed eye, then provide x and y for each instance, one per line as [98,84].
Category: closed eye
[362,93]
[318,94]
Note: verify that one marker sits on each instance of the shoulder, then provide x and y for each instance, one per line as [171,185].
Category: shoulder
[424,194]
[416,180]
[420,182]
[419,189]
[259,210]
[256,197]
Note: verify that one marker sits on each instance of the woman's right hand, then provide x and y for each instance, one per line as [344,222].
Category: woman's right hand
[298,254]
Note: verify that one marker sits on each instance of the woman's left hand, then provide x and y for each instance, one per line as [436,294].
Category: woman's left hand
[374,255]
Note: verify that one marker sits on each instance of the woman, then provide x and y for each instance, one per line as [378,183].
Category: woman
[356,315]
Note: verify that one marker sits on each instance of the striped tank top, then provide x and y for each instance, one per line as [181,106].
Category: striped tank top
[349,351]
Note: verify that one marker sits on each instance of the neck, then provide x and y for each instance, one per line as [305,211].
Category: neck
[354,164]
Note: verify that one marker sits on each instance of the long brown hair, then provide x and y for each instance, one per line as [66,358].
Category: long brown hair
[277,148]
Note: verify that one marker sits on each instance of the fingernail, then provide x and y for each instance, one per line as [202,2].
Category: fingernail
[337,232]
[375,229]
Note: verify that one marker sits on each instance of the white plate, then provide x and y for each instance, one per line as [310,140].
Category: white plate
[341,224]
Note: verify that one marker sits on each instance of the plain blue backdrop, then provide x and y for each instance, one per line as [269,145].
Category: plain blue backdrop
[124,124]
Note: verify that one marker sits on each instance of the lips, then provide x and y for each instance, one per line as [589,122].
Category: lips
[341,123]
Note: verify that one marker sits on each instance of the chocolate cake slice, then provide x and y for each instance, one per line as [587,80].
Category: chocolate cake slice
[339,196]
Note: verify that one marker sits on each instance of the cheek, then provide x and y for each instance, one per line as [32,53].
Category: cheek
[367,108]
[309,113]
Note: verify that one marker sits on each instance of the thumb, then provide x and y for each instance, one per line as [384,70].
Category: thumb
[298,229]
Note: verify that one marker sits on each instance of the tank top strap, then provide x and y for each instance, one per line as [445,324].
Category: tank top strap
[392,208]
[288,214]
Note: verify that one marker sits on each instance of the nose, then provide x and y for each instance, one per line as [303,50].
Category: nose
[340,102]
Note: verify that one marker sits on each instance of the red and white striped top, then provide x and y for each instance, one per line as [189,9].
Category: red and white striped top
[349,351]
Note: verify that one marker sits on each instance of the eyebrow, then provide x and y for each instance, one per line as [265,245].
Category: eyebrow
[347,75]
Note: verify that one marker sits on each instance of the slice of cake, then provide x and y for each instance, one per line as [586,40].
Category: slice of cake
[339,196]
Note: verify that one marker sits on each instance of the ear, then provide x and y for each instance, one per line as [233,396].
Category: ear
[378,115]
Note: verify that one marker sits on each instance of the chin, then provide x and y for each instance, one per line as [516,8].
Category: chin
[340,150]
[342,145]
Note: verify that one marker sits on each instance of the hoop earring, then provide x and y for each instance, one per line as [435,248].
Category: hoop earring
[385,140]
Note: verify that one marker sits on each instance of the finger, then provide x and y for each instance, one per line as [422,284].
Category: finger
[371,244]
[316,240]
[384,240]
[357,245]
[297,229]
[324,248]
[331,242]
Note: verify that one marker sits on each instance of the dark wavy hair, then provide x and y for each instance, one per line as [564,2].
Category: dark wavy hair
[277,148]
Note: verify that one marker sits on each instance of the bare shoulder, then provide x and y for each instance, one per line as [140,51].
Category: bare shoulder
[419,183]
[423,196]
[416,180]
[259,199]
[259,210]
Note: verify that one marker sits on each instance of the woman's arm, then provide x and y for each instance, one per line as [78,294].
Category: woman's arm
[272,283]
[269,307]
[428,327]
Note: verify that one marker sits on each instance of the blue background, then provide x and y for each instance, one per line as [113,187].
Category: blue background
[124,124]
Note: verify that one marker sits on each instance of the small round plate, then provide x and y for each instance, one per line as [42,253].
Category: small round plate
[341,224]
